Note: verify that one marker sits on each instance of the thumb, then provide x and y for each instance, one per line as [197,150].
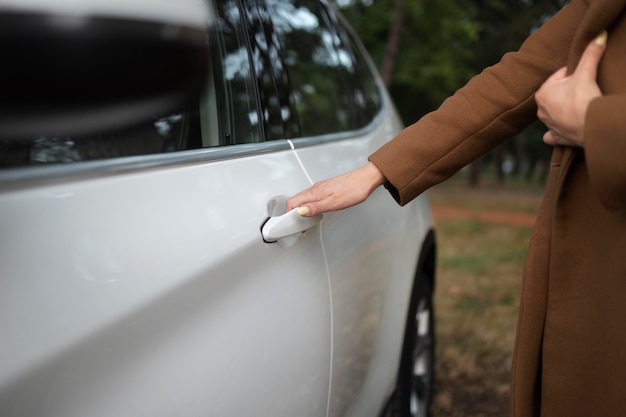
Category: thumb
[588,65]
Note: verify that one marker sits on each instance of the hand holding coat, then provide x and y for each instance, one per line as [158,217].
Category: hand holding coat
[562,101]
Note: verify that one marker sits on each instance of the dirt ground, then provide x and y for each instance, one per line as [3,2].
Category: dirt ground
[489,216]
[482,237]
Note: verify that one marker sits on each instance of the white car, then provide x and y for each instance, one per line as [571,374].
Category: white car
[147,267]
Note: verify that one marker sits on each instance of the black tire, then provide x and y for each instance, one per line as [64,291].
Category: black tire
[414,391]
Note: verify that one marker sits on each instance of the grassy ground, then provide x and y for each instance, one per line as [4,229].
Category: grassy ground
[480,265]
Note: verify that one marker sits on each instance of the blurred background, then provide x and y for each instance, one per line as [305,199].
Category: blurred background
[482,233]
[426,50]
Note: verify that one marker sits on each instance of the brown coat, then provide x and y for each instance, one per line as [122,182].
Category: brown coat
[570,352]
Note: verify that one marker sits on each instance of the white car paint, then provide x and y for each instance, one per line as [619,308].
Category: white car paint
[372,250]
[189,13]
[149,291]
[118,289]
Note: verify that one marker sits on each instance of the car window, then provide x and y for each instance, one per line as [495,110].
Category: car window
[332,89]
[365,96]
[225,115]
[233,85]
[279,69]
[164,134]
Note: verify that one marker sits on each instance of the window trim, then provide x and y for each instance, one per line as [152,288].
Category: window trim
[34,176]
[27,176]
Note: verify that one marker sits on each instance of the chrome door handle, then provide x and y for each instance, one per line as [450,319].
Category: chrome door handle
[288,224]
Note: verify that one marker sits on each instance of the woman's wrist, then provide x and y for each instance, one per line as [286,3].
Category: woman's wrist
[373,176]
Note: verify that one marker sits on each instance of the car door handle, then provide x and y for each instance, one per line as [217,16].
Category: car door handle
[288,224]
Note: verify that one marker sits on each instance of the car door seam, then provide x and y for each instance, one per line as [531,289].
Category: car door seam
[293,148]
[332,321]
[330,286]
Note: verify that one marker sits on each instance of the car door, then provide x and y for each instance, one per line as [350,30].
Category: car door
[141,285]
[343,115]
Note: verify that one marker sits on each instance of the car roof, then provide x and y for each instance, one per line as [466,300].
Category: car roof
[186,13]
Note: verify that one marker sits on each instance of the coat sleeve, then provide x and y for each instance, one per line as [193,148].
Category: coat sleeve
[492,107]
[605,149]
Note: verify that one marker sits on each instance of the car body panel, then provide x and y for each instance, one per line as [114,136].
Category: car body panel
[372,264]
[71,14]
[113,289]
[141,285]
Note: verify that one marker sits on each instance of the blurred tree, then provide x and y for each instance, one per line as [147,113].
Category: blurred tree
[393,41]
[427,49]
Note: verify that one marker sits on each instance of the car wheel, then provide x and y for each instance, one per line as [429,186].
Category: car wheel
[414,391]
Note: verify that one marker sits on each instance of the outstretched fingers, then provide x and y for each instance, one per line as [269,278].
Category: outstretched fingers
[337,193]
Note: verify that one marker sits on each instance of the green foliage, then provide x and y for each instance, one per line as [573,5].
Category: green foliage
[443,42]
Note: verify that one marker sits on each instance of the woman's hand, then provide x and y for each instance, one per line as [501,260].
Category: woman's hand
[562,101]
[337,193]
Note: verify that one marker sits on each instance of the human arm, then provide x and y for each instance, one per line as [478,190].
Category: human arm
[492,107]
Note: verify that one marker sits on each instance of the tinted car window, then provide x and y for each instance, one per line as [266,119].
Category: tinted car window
[164,134]
[294,58]
[332,89]
[365,98]
[225,115]
[233,80]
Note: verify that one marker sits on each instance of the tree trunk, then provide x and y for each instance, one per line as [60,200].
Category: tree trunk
[393,42]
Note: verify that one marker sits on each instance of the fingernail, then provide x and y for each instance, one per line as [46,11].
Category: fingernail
[601,39]
[303,211]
